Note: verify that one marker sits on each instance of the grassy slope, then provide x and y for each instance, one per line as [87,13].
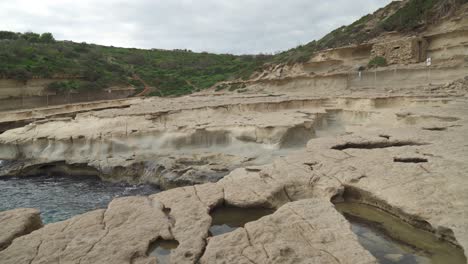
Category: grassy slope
[172,72]
[181,72]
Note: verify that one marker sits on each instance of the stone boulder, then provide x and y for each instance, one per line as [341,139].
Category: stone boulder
[16,223]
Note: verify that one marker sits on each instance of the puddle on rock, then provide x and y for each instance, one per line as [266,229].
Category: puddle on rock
[161,249]
[227,219]
[391,240]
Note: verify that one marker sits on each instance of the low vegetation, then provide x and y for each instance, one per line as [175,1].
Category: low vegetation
[377,62]
[178,72]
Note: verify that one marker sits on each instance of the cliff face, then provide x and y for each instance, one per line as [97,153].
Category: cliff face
[401,17]
[12,88]
[373,58]
[35,94]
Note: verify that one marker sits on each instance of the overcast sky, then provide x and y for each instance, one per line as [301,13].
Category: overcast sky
[221,26]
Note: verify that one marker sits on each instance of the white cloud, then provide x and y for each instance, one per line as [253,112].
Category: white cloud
[242,26]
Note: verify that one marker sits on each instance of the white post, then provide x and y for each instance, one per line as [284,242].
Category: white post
[375,78]
[428,64]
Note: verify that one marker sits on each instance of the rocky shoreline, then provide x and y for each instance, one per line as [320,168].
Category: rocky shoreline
[406,158]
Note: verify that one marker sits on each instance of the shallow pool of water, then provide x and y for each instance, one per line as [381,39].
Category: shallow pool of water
[59,198]
[392,241]
[227,219]
[161,249]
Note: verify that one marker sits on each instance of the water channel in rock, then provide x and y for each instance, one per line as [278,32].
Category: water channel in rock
[227,219]
[392,240]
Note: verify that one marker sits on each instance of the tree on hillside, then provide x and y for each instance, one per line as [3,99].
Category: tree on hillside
[8,35]
[31,37]
[21,75]
[47,38]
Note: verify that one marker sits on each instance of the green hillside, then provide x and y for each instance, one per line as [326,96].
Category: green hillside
[176,72]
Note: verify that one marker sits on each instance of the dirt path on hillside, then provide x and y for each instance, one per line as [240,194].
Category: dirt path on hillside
[147,89]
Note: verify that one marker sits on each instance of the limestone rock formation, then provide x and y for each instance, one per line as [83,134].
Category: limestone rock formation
[377,161]
[291,235]
[16,223]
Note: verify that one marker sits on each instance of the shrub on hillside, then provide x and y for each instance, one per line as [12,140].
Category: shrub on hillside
[411,16]
[21,75]
[377,62]
[47,38]
[63,86]
[8,35]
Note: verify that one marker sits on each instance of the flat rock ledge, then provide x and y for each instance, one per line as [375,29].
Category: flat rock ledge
[414,173]
[16,223]
[123,232]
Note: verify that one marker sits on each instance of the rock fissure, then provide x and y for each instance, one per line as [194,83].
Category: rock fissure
[93,245]
[376,145]
[424,169]
[410,160]
[337,159]
[302,218]
[331,255]
[265,251]
[37,251]
[196,195]
[247,246]
[287,195]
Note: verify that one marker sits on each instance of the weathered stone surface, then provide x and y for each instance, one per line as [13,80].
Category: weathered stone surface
[119,234]
[164,145]
[293,234]
[190,220]
[305,228]
[402,51]
[16,223]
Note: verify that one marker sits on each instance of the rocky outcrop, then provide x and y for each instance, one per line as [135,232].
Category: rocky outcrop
[17,223]
[292,235]
[171,148]
[305,227]
[403,154]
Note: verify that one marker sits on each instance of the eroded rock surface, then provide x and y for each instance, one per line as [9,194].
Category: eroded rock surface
[294,234]
[16,223]
[380,159]
[403,154]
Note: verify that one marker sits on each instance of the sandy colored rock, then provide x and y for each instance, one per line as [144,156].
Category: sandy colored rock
[16,223]
[119,234]
[293,234]
[366,157]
